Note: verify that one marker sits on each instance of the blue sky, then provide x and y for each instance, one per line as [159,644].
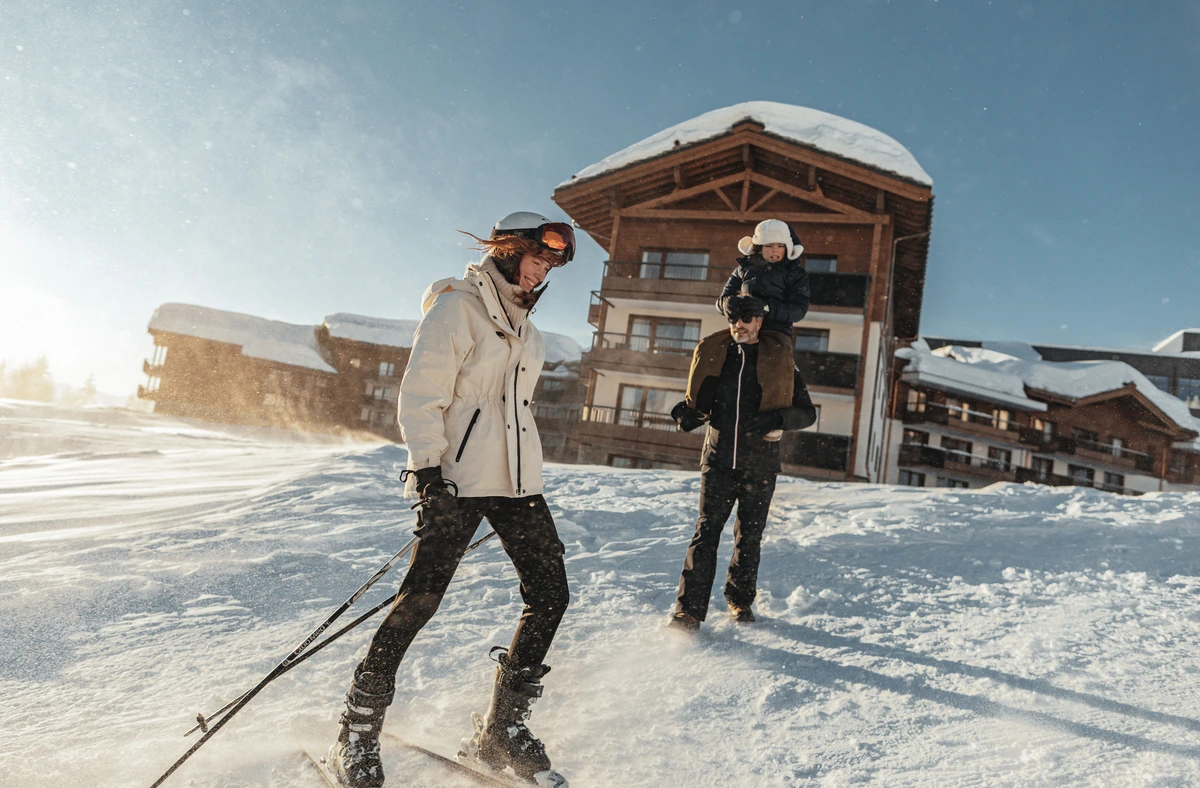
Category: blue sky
[294,160]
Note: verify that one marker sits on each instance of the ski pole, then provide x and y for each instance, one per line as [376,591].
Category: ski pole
[283,666]
[204,721]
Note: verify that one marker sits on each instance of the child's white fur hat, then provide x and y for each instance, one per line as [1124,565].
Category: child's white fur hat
[771,231]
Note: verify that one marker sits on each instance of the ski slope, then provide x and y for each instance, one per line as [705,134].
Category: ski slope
[153,568]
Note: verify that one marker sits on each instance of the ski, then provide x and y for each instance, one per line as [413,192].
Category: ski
[481,774]
[319,765]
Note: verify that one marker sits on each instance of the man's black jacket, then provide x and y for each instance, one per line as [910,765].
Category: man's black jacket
[783,285]
[732,396]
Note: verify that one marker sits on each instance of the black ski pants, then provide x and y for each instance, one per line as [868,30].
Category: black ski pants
[720,489]
[526,530]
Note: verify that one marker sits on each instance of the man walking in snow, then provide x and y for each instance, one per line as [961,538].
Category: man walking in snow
[474,453]
[745,414]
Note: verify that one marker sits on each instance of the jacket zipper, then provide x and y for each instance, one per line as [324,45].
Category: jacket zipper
[470,427]
[516,371]
[737,408]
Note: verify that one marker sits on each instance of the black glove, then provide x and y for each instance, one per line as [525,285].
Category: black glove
[438,504]
[745,306]
[763,422]
[688,418]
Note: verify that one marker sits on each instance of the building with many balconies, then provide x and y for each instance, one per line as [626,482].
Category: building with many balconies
[969,415]
[669,211]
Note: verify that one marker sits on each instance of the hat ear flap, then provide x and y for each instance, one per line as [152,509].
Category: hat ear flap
[795,252]
[746,245]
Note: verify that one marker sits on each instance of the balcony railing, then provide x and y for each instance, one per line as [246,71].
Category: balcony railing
[827,289]
[937,413]
[607,340]
[934,457]
[623,417]
[1140,459]
[153,370]
[1047,443]
[816,450]
[835,370]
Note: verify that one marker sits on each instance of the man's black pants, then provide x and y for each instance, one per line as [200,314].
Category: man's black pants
[720,489]
[526,530]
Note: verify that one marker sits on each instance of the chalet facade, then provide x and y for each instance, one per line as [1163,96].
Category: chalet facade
[669,212]
[341,375]
[972,416]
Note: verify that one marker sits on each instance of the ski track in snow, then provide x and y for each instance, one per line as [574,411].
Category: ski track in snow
[153,568]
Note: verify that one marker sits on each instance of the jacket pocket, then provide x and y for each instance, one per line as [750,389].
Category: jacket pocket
[467,435]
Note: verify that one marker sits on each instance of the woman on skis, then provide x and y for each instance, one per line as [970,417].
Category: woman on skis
[474,453]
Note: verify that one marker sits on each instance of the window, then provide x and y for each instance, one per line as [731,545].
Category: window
[1117,445]
[662,264]
[1189,391]
[1089,437]
[1162,382]
[1043,467]
[382,393]
[366,415]
[1114,481]
[1179,463]
[553,384]
[1047,428]
[646,407]
[1001,419]
[957,409]
[999,459]
[916,438]
[1082,475]
[812,340]
[355,363]
[916,401]
[820,265]
[387,369]
[957,450]
[946,481]
[912,479]
[663,334]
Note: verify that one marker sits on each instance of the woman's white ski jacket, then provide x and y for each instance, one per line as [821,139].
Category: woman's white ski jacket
[466,394]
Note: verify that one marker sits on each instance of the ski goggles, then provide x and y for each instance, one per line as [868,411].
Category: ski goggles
[558,236]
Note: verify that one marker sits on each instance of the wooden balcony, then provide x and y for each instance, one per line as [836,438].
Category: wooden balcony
[153,370]
[986,469]
[821,450]
[828,370]
[636,432]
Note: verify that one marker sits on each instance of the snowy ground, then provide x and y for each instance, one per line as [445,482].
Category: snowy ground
[1014,636]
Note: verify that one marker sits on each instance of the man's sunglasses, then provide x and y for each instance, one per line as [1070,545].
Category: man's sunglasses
[741,319]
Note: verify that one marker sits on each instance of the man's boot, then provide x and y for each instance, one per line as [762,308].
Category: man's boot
[501,739]
[354,757]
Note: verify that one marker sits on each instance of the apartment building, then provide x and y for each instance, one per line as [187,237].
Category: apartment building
[669,211]
[969,415]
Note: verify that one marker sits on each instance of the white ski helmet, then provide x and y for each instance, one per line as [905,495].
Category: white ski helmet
[559,237]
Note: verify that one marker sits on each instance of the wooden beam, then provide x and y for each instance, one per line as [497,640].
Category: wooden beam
[760,203]
[880,200]
[612,238]
[812,177]
[814,197]
[745,191]
[683,194]
[725,199]
[679,184]
[747,157]
[746,216]
[852,170]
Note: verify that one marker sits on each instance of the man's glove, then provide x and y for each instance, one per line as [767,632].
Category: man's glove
[744,307]
[688,418]
[763,422]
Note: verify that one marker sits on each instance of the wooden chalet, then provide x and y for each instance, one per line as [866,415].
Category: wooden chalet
[1046,423]
[669,212]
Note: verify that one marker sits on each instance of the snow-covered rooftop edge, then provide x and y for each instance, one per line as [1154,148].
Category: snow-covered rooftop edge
[826,132]
[1004,372]
[296,345]
[270,340]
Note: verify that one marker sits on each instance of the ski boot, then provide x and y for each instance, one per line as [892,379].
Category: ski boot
[354,757]
[501,739]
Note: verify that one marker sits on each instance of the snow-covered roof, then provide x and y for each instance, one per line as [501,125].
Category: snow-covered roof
[1175,341]
[271,340]
[832,134]
[561,348]
[1003,377]
[371,330]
